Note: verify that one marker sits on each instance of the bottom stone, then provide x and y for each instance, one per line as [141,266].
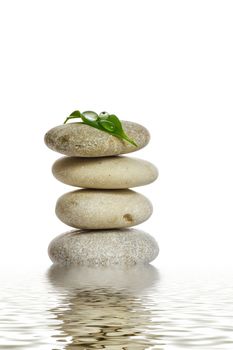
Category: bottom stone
[103,247]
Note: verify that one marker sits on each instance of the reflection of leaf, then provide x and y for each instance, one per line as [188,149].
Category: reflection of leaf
[104,121]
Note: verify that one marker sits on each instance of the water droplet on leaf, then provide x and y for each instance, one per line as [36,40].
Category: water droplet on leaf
[104,115]
[91,116]
[107,125]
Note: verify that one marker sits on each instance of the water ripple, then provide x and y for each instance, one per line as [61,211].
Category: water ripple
[137,308]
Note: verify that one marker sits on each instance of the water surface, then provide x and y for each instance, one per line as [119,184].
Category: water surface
[135,308]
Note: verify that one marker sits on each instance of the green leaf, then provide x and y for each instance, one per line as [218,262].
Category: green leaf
[73,115]
[76,114]
[119,129]
[109,123]
[113,118]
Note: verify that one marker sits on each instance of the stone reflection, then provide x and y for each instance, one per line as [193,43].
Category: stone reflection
[105,308]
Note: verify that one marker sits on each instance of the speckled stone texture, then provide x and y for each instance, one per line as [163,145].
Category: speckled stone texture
[104,248]
[104,173]
[80,140]
[103,209]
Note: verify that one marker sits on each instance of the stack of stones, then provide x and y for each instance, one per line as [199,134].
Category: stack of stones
[105,207]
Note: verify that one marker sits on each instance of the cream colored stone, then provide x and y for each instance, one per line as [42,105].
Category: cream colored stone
[103,247]
[80,140]
[103,209]
[105,172]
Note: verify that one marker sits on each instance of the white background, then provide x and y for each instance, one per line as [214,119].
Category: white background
[165,64]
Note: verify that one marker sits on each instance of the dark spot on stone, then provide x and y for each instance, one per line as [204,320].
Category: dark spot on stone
[128,218]
[64,139]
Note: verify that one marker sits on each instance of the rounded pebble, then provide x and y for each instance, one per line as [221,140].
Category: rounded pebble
[81,140]
[104,173]
[106,247]
[102,209]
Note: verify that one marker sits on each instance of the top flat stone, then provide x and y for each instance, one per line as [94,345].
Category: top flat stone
[80,140]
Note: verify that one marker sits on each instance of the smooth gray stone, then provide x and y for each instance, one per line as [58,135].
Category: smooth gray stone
[80,140]
[103,209]
[104,173]
[103,247]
